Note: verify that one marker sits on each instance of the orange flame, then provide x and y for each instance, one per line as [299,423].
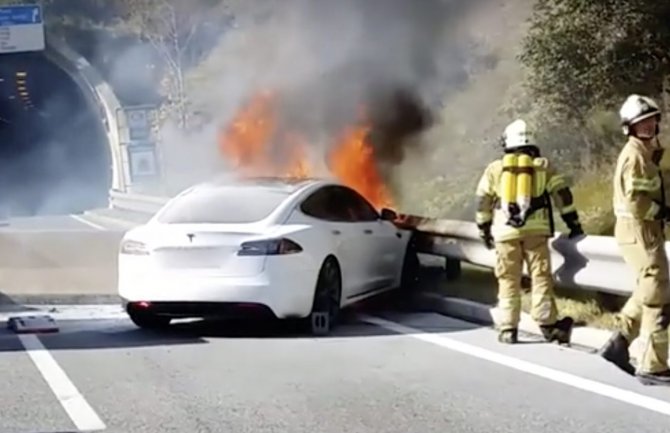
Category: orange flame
[254,133]
[246,140]
[352,161]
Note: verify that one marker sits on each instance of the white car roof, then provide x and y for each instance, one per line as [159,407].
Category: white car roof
[294,189]
[285,184]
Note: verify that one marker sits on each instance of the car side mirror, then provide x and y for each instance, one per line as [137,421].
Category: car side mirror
[388,215]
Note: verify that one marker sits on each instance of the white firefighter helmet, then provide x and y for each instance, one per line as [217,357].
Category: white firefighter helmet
[637,108]
[518,134]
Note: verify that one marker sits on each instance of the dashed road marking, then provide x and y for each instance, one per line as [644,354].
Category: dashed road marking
[80,412]
[87,222]
[558,376]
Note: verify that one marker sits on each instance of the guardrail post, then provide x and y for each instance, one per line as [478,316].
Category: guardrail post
[452,269]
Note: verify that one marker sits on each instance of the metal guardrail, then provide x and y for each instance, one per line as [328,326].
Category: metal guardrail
[589,262]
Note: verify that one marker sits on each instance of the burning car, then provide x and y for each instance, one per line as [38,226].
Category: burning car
[270,246]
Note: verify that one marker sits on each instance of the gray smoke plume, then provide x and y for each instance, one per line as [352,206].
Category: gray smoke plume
[328,60]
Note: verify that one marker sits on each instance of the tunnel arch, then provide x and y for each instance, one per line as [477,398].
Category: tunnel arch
[101,99]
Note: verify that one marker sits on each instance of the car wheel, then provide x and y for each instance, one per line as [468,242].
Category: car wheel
[327,298]
[146,320]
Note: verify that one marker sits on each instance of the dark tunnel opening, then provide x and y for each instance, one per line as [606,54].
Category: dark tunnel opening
[54,156]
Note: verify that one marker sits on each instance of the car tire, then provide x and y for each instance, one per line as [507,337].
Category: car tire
[409,279]
[146,320]
[327,299]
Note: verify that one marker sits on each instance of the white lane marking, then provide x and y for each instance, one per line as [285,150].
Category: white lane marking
[599,388]
[67,312]
[82,415]
[87,222]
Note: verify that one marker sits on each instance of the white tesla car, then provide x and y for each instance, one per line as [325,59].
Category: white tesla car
[268,246]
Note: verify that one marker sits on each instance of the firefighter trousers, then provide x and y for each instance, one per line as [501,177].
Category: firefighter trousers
[647,313]
[510,258]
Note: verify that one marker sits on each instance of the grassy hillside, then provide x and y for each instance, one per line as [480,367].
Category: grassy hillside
[472,119]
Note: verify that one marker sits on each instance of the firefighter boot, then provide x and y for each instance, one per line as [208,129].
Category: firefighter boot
[561,331]
[616,352]
[508,336]
[660,378]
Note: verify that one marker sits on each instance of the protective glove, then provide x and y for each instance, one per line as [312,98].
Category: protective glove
[571,220]
[576,231]
[663,213]
[657,156]
[485,235]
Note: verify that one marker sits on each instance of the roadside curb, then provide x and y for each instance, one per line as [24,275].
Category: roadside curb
[485,315]
[9,300]
[104,219]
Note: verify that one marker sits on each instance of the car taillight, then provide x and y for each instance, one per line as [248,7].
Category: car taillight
[134,248]
[269,247]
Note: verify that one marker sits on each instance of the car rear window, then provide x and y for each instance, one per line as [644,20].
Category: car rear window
[234,205]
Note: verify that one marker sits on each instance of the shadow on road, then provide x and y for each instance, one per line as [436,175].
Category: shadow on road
[121,333]
[116,334]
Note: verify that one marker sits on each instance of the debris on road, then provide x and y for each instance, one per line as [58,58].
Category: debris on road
[32,324]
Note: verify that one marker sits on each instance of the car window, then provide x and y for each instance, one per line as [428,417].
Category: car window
[324,204]
[358,207]
[223,205]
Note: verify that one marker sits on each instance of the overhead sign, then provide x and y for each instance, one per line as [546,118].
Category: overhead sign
[21,29]
[139,122]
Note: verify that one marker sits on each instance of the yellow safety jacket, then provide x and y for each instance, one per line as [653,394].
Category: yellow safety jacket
[638,186]
[544,185]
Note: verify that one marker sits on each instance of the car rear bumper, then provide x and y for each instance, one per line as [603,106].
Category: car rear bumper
[228,310]
[191,295]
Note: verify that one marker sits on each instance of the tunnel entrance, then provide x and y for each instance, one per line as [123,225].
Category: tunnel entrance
[54,154]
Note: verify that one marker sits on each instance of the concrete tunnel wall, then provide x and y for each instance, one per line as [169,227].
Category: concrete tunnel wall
[101,99]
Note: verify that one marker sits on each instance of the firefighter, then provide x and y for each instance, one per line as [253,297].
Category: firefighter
[514,215]
[641,213]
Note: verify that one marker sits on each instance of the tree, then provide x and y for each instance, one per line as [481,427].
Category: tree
[582,54]
[181,32]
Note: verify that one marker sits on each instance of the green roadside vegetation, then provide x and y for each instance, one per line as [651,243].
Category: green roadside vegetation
[587,308]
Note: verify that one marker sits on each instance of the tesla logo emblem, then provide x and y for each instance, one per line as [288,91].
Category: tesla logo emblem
[190,237]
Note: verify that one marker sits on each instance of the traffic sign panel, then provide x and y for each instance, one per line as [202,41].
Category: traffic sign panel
[20,15]
[21,29]
[139,121]
[142,162]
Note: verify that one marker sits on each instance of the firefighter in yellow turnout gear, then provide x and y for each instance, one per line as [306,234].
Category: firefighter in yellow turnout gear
[514,216]
[640,210]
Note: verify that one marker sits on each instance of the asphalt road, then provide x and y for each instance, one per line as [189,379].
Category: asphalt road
[56,223]
[58,258]
[383,371]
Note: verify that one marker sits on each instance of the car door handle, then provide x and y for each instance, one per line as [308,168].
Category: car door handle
[368,231]
[336,232]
